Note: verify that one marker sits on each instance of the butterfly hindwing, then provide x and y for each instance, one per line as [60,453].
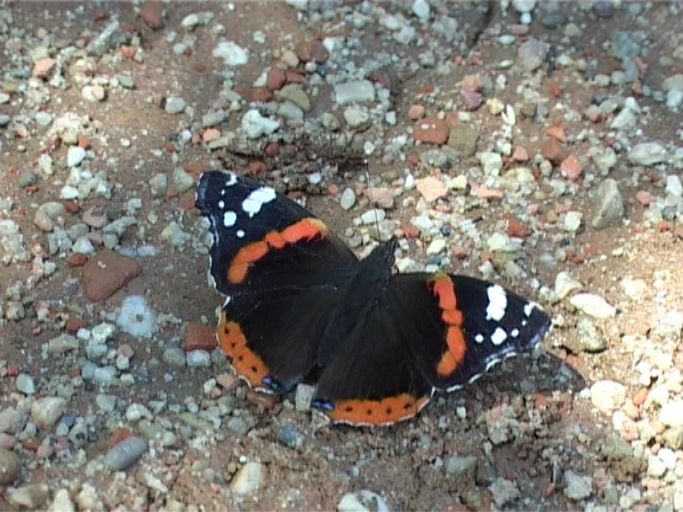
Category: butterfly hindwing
[263,240]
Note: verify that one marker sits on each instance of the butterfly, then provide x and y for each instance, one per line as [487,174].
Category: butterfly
[300,306]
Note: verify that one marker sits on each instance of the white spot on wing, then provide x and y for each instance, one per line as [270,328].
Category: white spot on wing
[498,336]
[221,204]
[479,338]
[229,219]
[514,333]
[256,199]
[528,308]
[497,302]
[240,233]
[227,300]
[232,179]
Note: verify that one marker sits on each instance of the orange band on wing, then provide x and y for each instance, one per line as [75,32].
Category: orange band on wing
[456,348]
[247,364]
[305,229]
[377,412]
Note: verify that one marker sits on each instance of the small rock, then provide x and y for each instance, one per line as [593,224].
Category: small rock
[136,318]
[504,491]
[565,284]
[671,414]
[357,116]
[106,273]
[577,487]
[255,125]
[571,168]
[9,466]
[296,94]
[62,502]
[634,289]
[647,154]
[416,112]
[95,217]
[463,138]
[44,67]
[12,420]
[436,246]
[491,162]
[572,221]
[151,14]
[359,91]
[25,384]
[174,356]
[607,395]
[670,325]
[249,478]
[181,180]
[421,9]
[93,93]
[592,305]
[313,51]
[431,188]
[608,205]
[674,185]
[589,338]
[303,397]
[158,185]
[362,501]
[198,359]
[431,131]
[47,411]
[174,105]
[126,453]
[75,156]
[458,465]
[31,496]
[532,54]
[290,437]
[552,150]
[231,53]
[199,337]
[48,215]
[347,199]
[500,242]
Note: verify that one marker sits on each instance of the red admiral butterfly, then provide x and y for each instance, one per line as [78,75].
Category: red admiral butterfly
[301,305]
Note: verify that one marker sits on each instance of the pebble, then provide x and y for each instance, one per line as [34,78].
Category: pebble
[46,411]
[181,181]
[199,336]
[255,125]
[491,162]
[106,273]
[249,478]
[592,305]
[608,205]
[674,185]
[431,188]
[358,91]
[565,284]
[93,93]
[589,337]
[95,217]
[671,414]
[44,67]
[75,156]
[126,453]
[174,105]
[571,168]
[158,184]
[43,118]
[463,138]
[9,466]
[303,397]
[12,420]
[373,217]
[504,491]
[136,318]
[296,94]
[532,54]
[458,465]
[105,375]
[25,384]
[198,359]
[30,496]
[608,395]
[647,154]
[62,502]
[347,199]
[577,487]
[670,324]
[431,131]
[290,436]
[357,116]
[500,242]
[436,246]
[151,14]
[231,53]
[48,215]
[362,501]
[174,356]
[572,221]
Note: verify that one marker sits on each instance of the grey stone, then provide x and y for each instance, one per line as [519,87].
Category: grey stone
[255,125]
[463,138]
[174,356]
[231,53]
[126,453]
[198,359]
[30,496]
[532,54]
[175,105]
[47,411]
[457,465]
[358,91]
[75,156]
[647,153]
[12,420]
[25,384]
[608,395]
[303,397]
[62,343]
[296,94]
[347,199]
[9,466]
[671,414]
[181,180]
[592,305]
[504,491]
[357,116]
[577,487]
[589,337]
[608,205]
[249,478]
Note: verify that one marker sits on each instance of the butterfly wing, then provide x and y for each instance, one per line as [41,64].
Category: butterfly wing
[431,331]
[262,240]
[280,268]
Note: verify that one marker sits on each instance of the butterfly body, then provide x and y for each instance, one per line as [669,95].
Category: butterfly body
[300,304]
